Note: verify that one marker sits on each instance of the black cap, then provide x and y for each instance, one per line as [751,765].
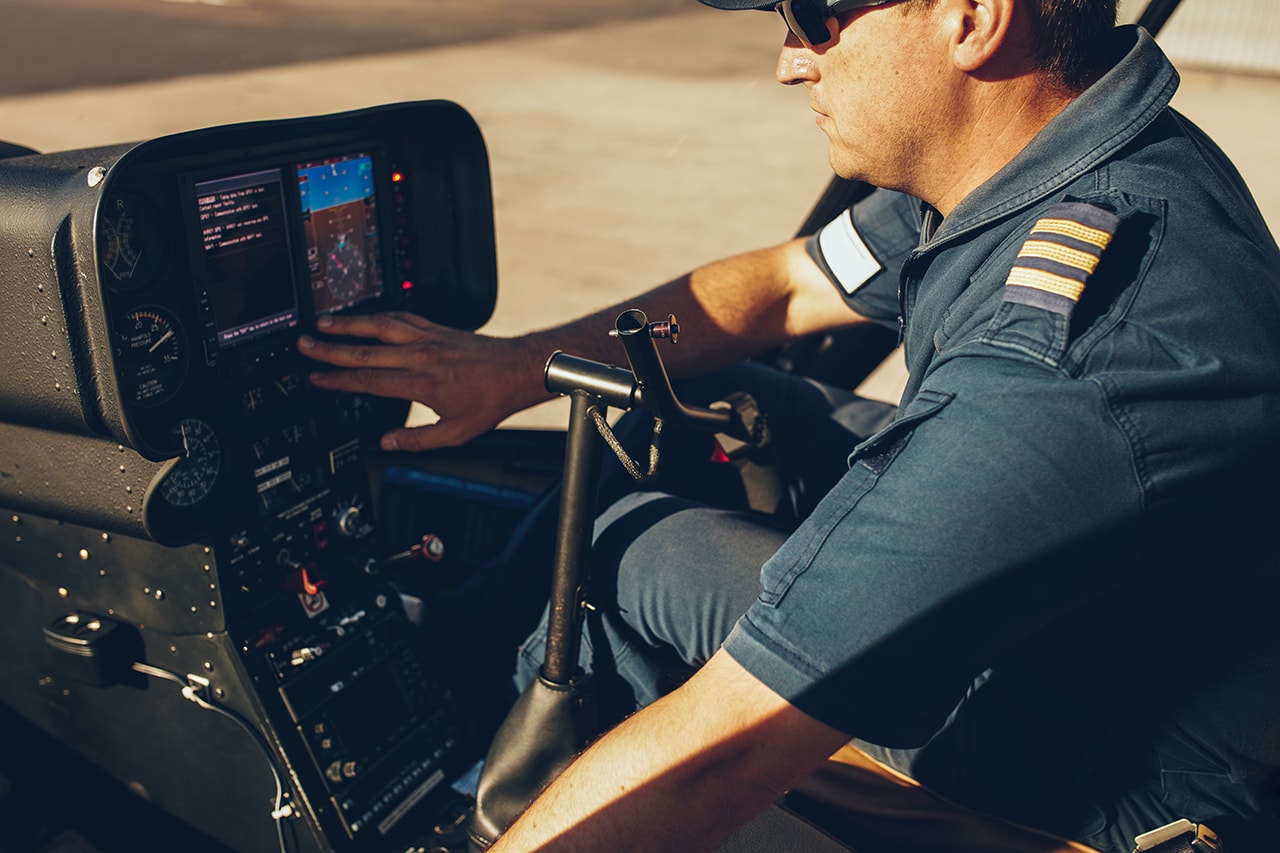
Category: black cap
[737,5]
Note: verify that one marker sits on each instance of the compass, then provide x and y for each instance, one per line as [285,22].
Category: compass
[345,274]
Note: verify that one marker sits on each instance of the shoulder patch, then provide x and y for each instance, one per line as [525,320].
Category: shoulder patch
[1059,255]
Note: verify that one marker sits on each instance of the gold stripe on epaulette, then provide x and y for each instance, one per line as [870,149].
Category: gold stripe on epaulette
[1046,281]
[1084,261]
[1071,228]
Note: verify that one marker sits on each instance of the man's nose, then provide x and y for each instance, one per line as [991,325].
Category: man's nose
[795,63]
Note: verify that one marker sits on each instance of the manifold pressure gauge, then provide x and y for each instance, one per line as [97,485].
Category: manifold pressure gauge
[151,352]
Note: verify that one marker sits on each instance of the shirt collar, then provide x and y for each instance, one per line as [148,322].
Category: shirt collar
[1091,129]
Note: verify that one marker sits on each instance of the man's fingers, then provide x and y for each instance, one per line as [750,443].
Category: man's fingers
[390,328]
[352,355]
[426,437]
[379,382]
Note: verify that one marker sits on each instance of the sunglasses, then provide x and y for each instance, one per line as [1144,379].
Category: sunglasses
[807,19]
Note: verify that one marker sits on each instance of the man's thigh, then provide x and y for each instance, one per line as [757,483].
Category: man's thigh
[669,578]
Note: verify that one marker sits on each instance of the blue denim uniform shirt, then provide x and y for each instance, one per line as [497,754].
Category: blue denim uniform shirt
[1057,562]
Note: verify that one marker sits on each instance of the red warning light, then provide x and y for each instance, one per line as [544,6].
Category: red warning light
[406,285]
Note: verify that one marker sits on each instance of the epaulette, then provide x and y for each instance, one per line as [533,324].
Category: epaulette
[1059,255]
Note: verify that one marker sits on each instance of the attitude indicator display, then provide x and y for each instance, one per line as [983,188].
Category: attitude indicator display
[340,227]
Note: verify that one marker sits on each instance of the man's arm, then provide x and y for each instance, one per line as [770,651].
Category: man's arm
[729,310]
[682,773]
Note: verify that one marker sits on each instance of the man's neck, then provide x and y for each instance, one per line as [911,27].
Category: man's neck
[996,123]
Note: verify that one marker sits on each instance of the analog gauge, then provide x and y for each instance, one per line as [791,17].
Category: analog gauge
[151,353]
[129,243]
[192,479]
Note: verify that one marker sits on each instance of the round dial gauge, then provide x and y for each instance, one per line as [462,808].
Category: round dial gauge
[129,243]
[192,479]
[151,353]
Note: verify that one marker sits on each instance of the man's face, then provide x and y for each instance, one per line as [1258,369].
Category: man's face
[880,89]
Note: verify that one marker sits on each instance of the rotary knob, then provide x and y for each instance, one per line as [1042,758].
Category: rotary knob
[349,521]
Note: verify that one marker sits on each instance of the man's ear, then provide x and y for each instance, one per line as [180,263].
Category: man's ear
[981,28]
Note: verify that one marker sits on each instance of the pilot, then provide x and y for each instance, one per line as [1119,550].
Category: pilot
[1045,589]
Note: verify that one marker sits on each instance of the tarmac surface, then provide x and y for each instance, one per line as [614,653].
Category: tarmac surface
[623,153]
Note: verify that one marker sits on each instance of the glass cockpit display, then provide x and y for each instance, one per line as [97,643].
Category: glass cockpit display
[246,256]
[265,232]
[340,227]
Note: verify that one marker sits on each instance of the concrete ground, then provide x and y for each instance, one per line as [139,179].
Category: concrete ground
[622,154]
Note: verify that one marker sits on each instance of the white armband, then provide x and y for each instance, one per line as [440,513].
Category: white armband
[846,255]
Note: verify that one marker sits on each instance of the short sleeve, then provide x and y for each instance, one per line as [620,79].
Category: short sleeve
[959,531]
[862,250]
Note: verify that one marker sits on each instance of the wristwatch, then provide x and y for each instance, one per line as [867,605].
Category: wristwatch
[1181,836]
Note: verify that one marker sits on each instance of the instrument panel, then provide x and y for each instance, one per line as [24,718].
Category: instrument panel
[154,294]
[181,272]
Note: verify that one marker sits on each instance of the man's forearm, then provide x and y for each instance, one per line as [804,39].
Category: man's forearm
[728,310]
[681,774]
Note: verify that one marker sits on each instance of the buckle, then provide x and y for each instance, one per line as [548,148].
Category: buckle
[1181,836]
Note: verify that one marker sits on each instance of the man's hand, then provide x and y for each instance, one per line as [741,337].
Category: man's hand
[471,381]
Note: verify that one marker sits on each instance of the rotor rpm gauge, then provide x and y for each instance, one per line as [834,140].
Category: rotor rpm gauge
[192,479]
[151,352]
[129,242]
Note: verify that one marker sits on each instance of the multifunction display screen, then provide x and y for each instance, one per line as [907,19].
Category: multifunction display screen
[247,258]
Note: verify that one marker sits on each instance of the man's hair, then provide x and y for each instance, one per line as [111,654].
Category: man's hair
[1068,37]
